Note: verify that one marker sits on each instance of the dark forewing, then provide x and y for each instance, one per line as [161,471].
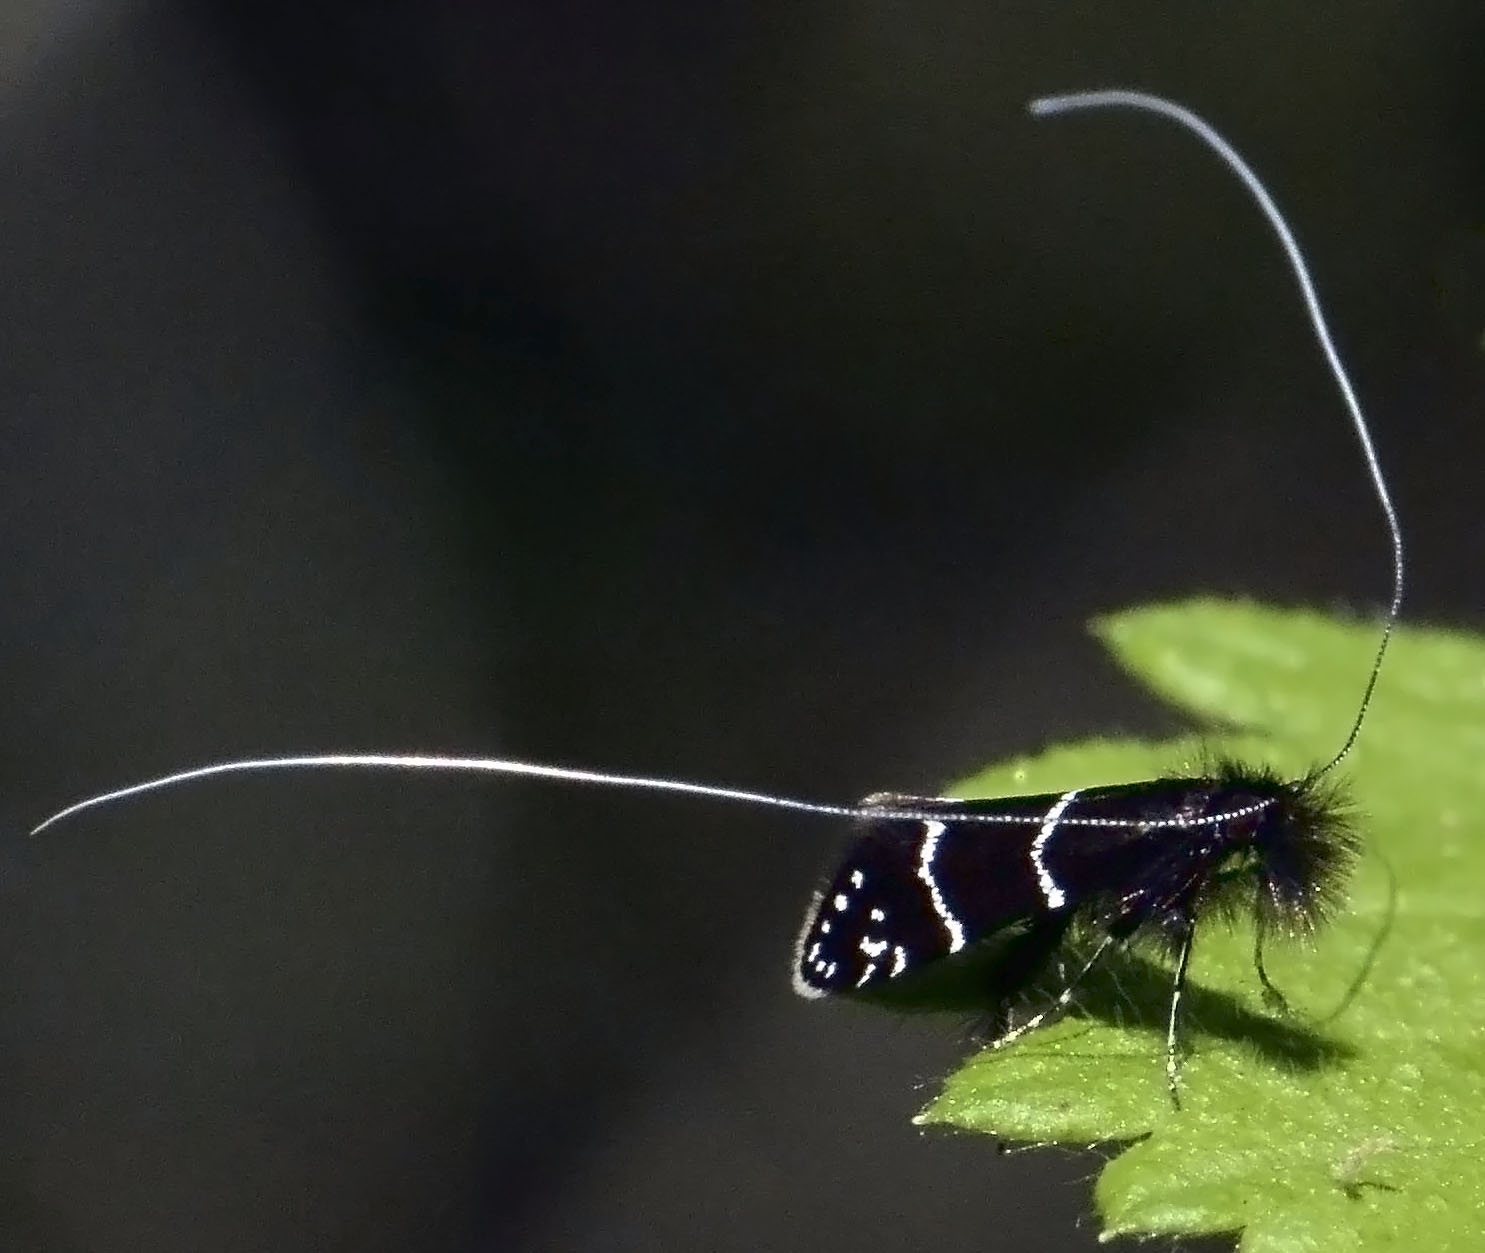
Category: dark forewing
[910,892]
[907,893]
[1129,874]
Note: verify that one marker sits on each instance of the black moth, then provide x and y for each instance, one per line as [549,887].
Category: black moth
[1102,866]
[910,892]
[1110,865]
[929,878]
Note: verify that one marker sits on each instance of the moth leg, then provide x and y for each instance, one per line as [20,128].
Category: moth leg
[1024,957]
[1172,1058]
[1272,997]
[1063,997]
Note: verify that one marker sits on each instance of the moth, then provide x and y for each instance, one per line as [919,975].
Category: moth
[1110,865]
[927,878]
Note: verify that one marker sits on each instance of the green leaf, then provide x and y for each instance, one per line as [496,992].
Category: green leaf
[1354,1122]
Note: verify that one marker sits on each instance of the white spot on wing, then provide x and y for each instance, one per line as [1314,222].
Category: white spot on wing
[841,902]
[866,974]
[879,915]
[1055,897]
[797,975]
[952,925]
[857,878]
[899,960]
[873,948]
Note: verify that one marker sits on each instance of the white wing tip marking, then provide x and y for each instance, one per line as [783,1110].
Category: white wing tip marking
[796,975]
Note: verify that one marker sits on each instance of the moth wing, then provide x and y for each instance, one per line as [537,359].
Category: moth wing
[909,892]
[1133,864]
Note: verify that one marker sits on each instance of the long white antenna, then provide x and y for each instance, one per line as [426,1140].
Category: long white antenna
[421,762]
[872,810]
[1049,106]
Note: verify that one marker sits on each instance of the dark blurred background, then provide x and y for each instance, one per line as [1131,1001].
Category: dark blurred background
[742,392]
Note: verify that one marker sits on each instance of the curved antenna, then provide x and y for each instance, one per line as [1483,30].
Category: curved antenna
[868,810]
[421,762]
[884,810]
[1050,106]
